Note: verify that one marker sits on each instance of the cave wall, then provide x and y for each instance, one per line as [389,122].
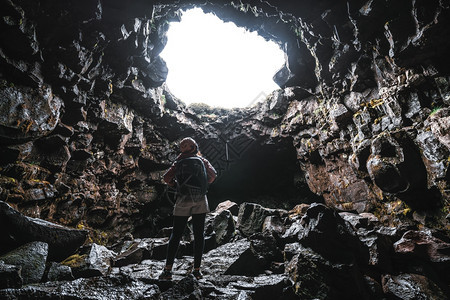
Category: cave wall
[88,125]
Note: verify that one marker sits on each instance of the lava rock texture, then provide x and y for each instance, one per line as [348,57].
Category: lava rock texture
[357,140]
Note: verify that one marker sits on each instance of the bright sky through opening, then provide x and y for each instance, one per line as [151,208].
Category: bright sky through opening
[219,63]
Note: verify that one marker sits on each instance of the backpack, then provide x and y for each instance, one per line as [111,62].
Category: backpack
[191,177]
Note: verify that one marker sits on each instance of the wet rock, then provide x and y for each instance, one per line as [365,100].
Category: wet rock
[364,220]
[56,160]
[383,167]
[293,232]
[31,258]
[411,286]
[227,205]
[335,179]
[113,287]
[341,115]
[421,244]
[10,276]
[133,252]
[59,272]
[19,229]
[265,247]
[260,287]
[13,153]
[435,156]
[234,258]
[27,113]
[274,225]
[93,260]
[251,217]
[440,126]
[326,233]
[314,277]
[224,227]
[379,245]
[186,288]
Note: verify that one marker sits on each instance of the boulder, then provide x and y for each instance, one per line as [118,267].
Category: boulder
[93,260]
[251,217]
[10,276]
[19,229]
[32,257]
[315,277]
[235,258]
[133,252]
[227,205]
[411,286]
[27,113]
[422,245]
[224,227]
[59,272]
[264,247]
[110,287]
[326,233]
[186,288]
[440,125]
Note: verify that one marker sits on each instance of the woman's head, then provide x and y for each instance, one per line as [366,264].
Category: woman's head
[188,145]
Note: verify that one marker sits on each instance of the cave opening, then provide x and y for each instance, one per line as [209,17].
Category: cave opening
[263,173]
[218,63]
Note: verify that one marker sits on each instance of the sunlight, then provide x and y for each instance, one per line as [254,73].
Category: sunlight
[219,63]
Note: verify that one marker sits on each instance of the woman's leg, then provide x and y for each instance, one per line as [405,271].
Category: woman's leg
[198,224]
[179,224]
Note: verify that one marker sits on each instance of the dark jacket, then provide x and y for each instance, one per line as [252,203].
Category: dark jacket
[169,176]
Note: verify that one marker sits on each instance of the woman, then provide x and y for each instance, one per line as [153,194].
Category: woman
[195,205]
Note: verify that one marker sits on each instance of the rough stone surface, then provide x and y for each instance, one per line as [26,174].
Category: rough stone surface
[10,276]
[411,286]
[94,260]
[32,257]
[20,229]
[58,272]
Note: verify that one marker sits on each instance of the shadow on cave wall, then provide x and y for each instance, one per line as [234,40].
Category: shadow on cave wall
[266,174]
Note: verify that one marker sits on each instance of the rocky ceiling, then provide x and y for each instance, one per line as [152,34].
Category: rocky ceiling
[87,124]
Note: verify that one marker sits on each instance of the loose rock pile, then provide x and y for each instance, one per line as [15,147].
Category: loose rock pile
[310,252]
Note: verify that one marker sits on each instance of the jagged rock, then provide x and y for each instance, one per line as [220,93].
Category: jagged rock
[423,245]
[94,260]
[133,252]
[274,225]
[251,217]
[265,247]
[59,272]
[314,277]
[13,153]
[383,167]
[227,205]
[10,276]
[326,233]
[224,227]
[20,229]
[435,155]
[411,286]
[114,287]
[186,288]
[27,113]
[31,257]
[293,232]
[374,288]
[239,287]
[440,126]
[234,258]
[378,244]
